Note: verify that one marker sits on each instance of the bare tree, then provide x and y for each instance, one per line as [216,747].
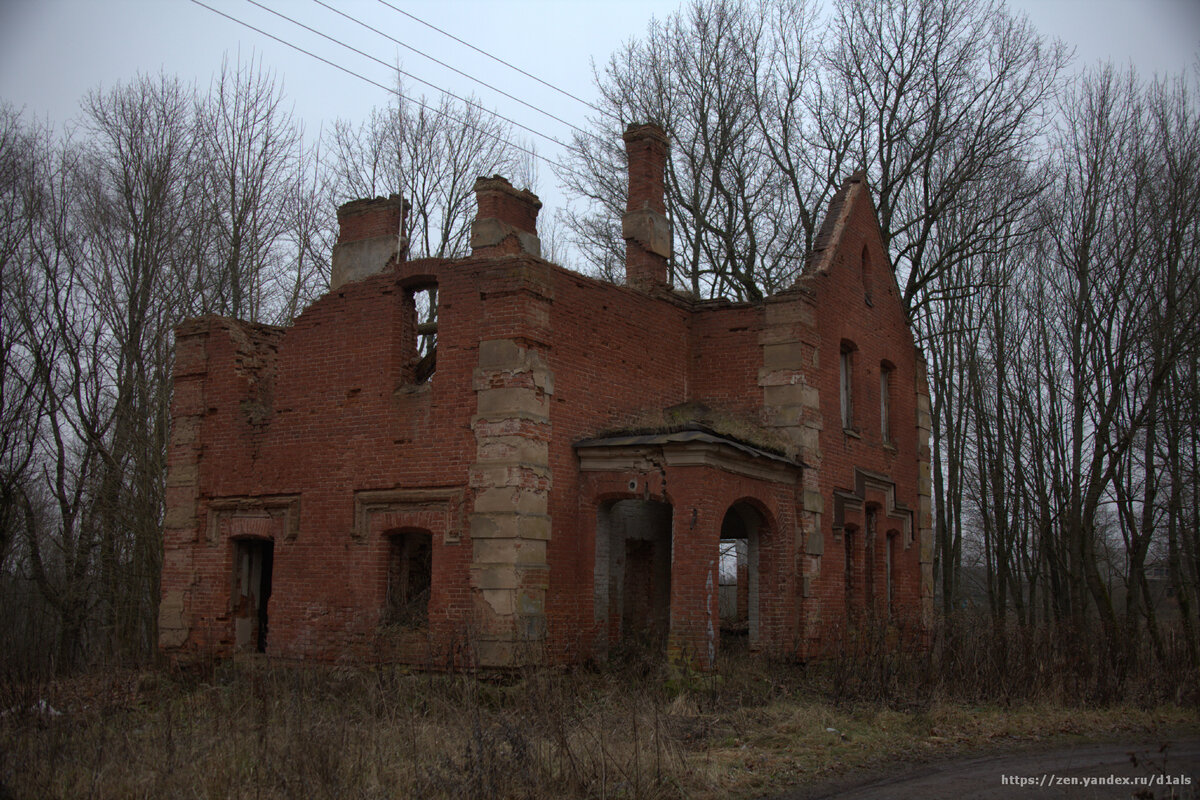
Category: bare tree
[136,184]
[1116,319]
[727,80]
[21,152]
[311,230]
[249,147]
[942,96]
[431,153]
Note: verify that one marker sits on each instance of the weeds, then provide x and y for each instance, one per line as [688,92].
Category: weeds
[635,729]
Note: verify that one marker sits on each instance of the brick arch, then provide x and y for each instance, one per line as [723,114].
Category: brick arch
[750,567]
[244,529]
[763,508]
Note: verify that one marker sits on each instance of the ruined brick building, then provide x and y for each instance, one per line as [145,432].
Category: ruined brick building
[553,466]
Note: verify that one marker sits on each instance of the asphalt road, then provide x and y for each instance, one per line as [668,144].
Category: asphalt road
[1143,770]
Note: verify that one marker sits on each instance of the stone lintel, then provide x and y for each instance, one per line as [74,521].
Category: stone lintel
[438,510]
[719,455]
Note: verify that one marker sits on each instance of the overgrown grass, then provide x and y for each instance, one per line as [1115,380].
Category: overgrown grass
[634,729]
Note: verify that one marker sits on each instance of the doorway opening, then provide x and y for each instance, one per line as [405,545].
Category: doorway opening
[252,562]
[633,573]
[738,573]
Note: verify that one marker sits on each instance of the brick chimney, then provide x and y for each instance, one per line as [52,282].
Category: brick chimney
[371,233]
[644,226]
[506,223]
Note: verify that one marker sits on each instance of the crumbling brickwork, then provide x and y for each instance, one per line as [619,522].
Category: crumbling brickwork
[555,475]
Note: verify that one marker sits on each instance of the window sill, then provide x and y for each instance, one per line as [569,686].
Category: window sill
[891,448]
[852,432]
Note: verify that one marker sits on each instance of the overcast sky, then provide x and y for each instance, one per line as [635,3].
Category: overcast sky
[53,51]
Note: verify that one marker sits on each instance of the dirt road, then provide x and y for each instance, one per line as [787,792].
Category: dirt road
[1143,770]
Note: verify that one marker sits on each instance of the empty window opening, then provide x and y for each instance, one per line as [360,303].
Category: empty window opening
[633,573]
[252,563]
[846,382]
[423,307]
[735,585]
[738,572]
[869,562]
[889,554]
[409,578]
[885,401]
[866,275]
[849,542]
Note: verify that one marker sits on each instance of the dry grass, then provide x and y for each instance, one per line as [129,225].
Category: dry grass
[632,730]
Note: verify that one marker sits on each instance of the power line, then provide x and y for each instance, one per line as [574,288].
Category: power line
[492,57]
[392,90]
[468,76]
[408,74]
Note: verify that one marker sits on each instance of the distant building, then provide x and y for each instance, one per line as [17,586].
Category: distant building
[550,468]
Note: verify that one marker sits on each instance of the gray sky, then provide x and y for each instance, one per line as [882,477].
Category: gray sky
[53,51]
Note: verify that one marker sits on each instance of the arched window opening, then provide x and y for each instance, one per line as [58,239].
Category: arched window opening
[866,276]
[889,555]
[870,540]
[886,369]
[846,383]
[850,543]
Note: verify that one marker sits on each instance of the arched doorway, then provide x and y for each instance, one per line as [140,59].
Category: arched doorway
[739,575]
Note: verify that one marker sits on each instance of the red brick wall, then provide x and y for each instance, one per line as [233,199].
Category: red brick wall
[725,358]
[327,408]
[497,199]
[366,219]
[879,331]
[616,352]
[646,149]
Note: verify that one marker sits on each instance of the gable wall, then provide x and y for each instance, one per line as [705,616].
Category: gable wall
[879,331]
